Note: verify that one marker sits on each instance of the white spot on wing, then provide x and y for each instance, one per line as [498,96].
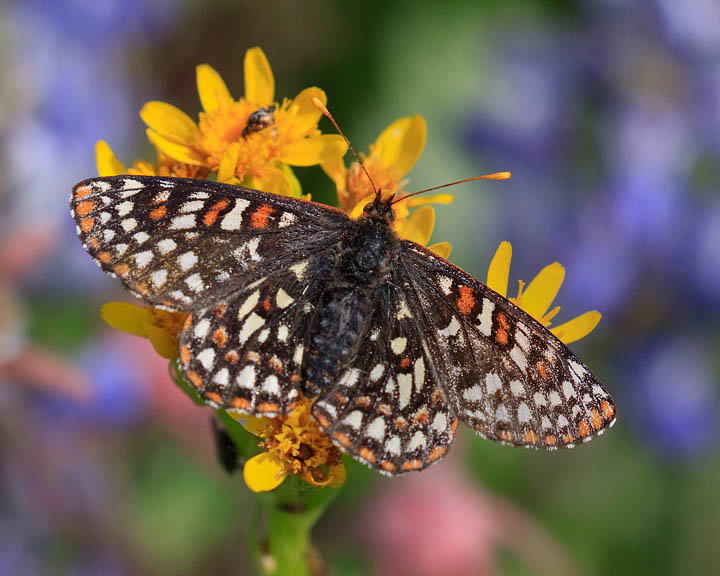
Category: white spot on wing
[493,383]
[283,299]
[142,259]
[129,224]
[141,237]
[286,219]
[246,377]
[397,345]
[166,245]
[523,413]
[417,441]
[377,372]
[439,423]
[271,385]
[158,278]
[517,388]
[299,269]
[250,326]
[233,219]
[393,446]
[183,222]
[419,373]
[249,305]
[445,284]
[405,385]
[195,282]
[187,260]
[474,394]
[376,429]
[124,208]
[518,356]
[354,419]
[485,317]
[207,358]
[192,206]
[202,328]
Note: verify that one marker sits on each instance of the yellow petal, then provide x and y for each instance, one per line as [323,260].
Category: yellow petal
[127,317]
[170,122]
[357,210]
[264,472]
[442,249]
[164,343]
[259,81]
[335,168]
[306,114]
[228,163]
[107,162]
[179,152]
[419,226]
[252,424]
[295,186]
[401,143]
[274,181]
[211,88]
[541,291]
[577,327]
[314,150]
[434,199]
[499,269]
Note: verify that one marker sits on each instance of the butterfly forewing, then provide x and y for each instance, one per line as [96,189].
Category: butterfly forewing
[503,373]
[181,243]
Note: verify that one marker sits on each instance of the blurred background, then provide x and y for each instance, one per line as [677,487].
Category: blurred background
[607,113]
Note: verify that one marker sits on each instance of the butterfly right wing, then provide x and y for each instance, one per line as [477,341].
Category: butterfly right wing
[179,243]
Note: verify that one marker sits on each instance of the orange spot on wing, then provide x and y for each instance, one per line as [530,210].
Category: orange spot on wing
[568,439]
[583,428]
[214,397]
[542,369]
[384,409]
[259,219]
[295,378]
[607,409]
[184,354]
[104,257]
[422,417]
[530,437]
[550,440]
[240,403]
[405,362]
[121,270]
[159,212]
[266,304]
[506,436]
[367,454]
[400,423]
[232,356]
[388,466]
[268,407]
[187,322]
[82,191]
[85,207]
[501,335]
[195,378]
[466,302]
[94,244]
[253,357]
[596,419]
[412,465]
[436,453]
[363,401]
[220,337]
[453,426]
[86,224]
[212,214]
[220,311]
[322,420]
[342,438]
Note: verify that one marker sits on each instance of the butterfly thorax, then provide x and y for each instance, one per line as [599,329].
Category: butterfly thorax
[350,297]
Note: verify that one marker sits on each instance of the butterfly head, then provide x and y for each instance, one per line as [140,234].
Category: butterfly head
[380,209]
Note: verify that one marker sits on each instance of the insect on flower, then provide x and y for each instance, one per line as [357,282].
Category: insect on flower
[289,299]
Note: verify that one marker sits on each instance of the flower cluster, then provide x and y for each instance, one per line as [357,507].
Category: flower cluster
[255,141]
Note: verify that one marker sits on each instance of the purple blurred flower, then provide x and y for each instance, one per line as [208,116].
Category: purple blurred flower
[674,398]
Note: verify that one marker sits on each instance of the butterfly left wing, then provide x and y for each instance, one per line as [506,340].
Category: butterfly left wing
[503,373]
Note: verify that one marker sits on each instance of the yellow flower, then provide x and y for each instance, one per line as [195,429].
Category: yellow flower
[108,165]
[391,157]
[295,444]
[259,159]
[158,326]
[537,297]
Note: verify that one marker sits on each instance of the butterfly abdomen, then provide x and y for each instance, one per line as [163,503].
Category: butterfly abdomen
[348,303]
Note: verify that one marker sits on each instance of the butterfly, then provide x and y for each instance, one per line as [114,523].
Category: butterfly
[286,297]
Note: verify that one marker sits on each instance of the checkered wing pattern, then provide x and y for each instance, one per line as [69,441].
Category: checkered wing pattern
[246,353]
[181,244]
[387,408]
[501,371]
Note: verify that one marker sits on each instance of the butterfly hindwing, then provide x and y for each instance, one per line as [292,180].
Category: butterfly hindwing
[180,243]
[504,373]
[387,408]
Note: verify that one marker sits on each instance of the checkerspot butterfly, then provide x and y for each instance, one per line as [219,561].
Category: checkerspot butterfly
[394,344]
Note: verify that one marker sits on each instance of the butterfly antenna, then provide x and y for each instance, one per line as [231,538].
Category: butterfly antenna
[493,176]
[320,106]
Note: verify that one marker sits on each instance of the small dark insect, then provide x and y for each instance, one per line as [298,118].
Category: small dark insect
[259,120]
[225,449]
